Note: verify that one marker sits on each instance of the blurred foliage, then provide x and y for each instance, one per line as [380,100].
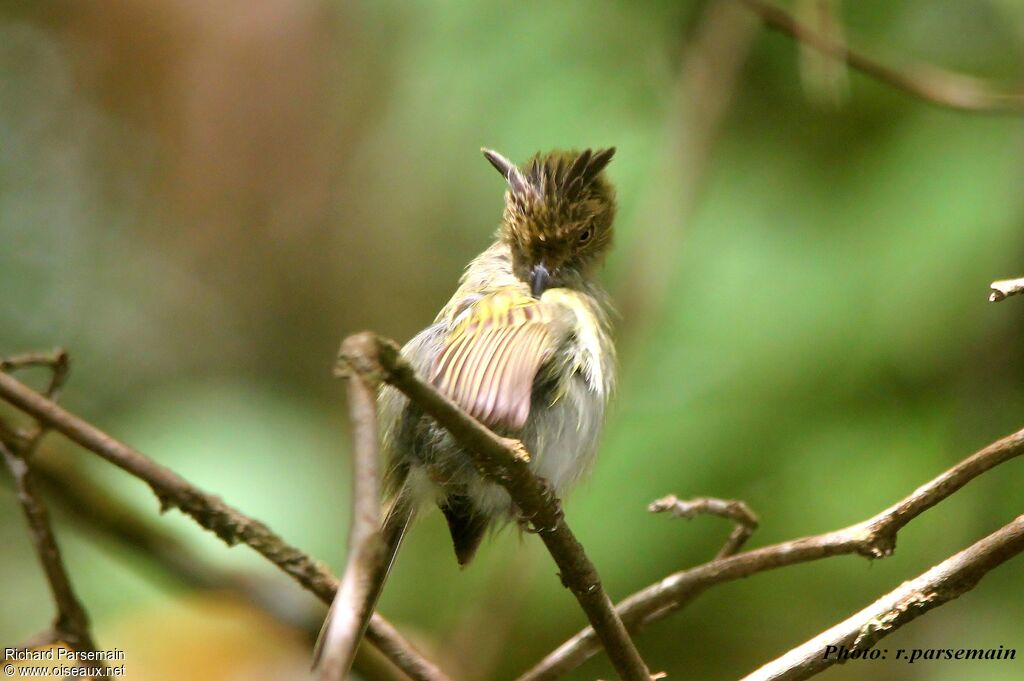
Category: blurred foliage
[199,200]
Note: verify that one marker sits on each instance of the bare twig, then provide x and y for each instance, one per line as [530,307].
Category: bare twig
[736,511]
[112,522]
[934,85]
[171,489]
[505,462]
[946,581]
[72,623]
[1004,288]
[57,362]
[99,511]
[873,538]
[351,604]
[209,511]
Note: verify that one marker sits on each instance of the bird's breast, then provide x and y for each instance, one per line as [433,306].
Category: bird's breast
[587,349]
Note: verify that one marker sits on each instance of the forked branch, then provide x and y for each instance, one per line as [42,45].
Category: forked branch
[371,359]
[71,625]
[505,462]
[737,511]
[209,511]
[872,538]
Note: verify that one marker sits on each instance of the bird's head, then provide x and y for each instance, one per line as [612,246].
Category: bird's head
[558,216]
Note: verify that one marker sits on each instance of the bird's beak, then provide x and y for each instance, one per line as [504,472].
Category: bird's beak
[539,279]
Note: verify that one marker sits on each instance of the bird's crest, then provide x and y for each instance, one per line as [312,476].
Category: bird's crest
[553,194]
[552,177]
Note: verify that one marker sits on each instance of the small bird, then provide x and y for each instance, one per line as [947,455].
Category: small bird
[523,346]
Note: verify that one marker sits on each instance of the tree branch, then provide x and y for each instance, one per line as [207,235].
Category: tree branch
[209,511]
[349,610]
[737,511]
[872,538]
[505,462]
[99,512]
[934,85]
[1004,288]
[72,623]
[946,581]
[56,361]
[112,522]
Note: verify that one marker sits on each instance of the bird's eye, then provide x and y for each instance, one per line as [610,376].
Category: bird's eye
[585,235]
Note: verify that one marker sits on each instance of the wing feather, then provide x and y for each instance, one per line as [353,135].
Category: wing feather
[491,358]
[482,358]
[492,379]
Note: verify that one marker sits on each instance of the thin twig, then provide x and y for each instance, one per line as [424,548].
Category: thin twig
[873,538]
[229,524]
[351,604]
[111,521]
[1004,288]
[934,85]
[946,581]
[72,623]
[737,511]
[57,362]
[97,510]
[505,462]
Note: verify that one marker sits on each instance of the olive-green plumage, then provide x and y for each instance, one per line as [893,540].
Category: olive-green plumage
[523,345]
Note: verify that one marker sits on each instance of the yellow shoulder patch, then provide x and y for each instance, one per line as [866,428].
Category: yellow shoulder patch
[490,359]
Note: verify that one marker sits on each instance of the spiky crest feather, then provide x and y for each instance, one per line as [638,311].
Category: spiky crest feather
[553,199]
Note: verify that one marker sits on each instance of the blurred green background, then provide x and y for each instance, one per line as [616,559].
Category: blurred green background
[199,200]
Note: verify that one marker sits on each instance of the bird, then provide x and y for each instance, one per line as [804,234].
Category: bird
[524,346]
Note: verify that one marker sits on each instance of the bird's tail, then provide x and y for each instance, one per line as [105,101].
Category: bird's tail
[393,529]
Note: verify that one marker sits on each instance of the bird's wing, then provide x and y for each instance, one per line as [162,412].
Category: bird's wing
[490,359]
